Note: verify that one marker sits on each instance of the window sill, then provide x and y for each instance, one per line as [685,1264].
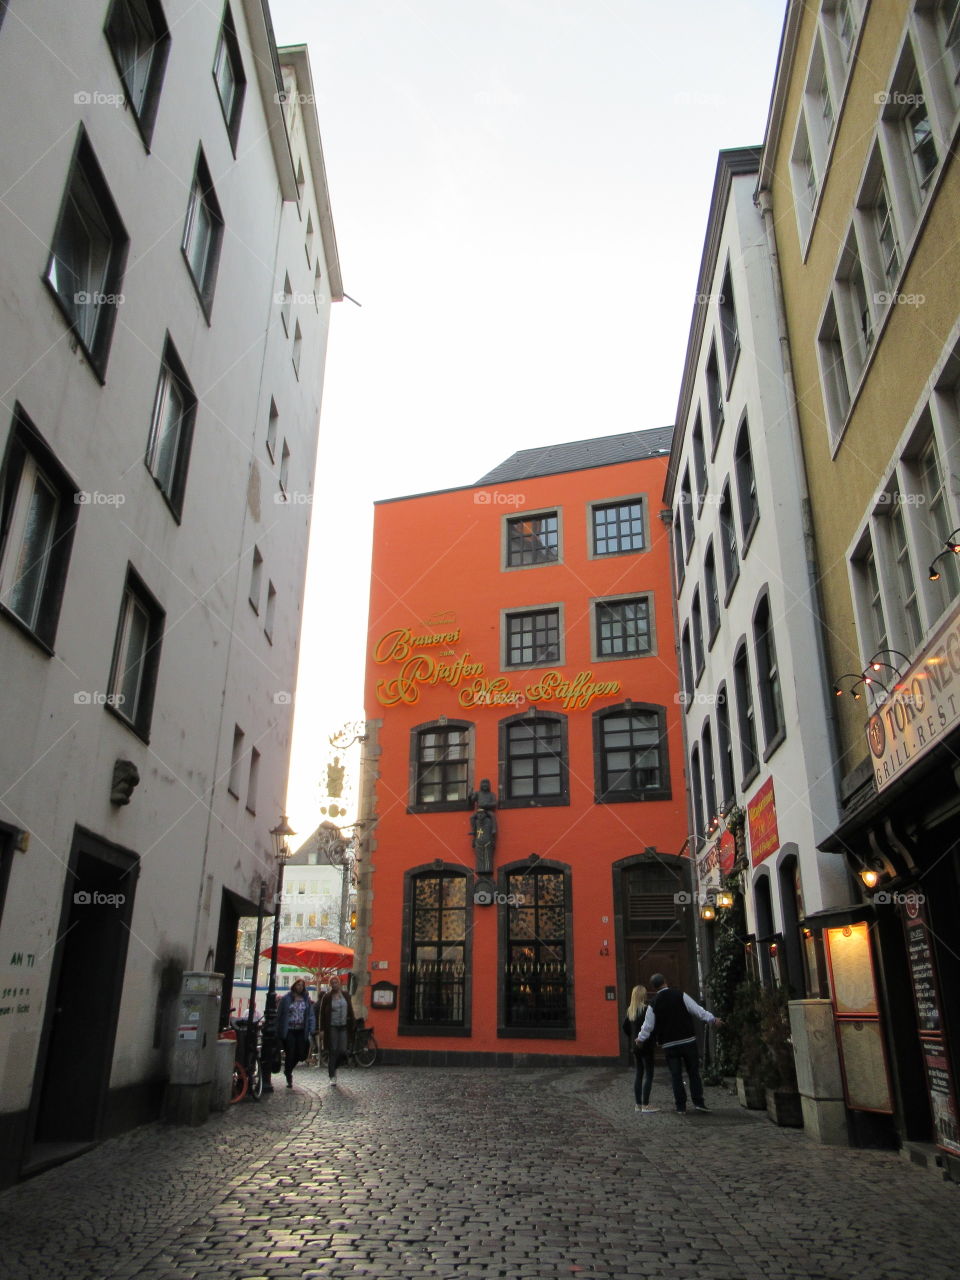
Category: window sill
[733,372]
[440,1029]
[747,778]
[699,676]
[442,806]
[661,793]
[544,802]
[97,366]
[138,731]
[542,564]
[206,304]
[536,1033]
[16,621]
[622,657]
[748,535]
[712,637]
[731,588]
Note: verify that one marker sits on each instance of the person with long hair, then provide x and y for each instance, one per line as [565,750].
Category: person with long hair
[642,1054]
[295,1023]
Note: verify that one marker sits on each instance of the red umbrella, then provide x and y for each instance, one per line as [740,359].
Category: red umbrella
[314,954]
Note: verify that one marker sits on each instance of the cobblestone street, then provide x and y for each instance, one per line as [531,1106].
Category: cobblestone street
[487,1173]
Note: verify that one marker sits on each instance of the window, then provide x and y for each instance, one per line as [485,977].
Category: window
[253,779]
[537,964]
[317,287]
[729,330]
[746,483]
[818,107]
[256,579]
[308,239]
[804,179]
[436,969]
[297,346]
[631,753]
[883,231]
[841,27]
[878,623]
[832,370]
[136,656]
[686,665]
[301,182]
[533,749]
[139,41]
[273,421]
[312,920]
[714,397]
[745,714]
[622,627]
[532,639]
[728,542]
[236,762]
[229,77]
[533,539]
[699,461]
[768,675]
[696,793]
[696,627]
[709,780]
[937,522]
[712,593]
[686,513]
[440,763]
[724,748]
[171,429]
[906,583]
[270,611]
[284,467]
[85,268]
[853,311]
[38,515]
[299,919]
[286,298]
[203,235]
[678,561]
[919,134]
[950,20]
[618,527]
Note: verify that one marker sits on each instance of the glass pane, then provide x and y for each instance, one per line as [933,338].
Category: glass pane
[199,237]
[521,921]
[454,891]
[551,888]
[26,591]
[426,891]
[133,653]
[427,925]
[454,926]
[169,421]
[226,80]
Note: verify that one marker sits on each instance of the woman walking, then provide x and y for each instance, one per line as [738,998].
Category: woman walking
[642,1054]
[295,1023]
[337,1022]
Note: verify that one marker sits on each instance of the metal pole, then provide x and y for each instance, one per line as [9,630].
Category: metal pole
[344,895]
[270,1019]
[256,958]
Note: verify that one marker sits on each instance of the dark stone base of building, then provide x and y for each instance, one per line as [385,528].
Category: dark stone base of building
[455,1058]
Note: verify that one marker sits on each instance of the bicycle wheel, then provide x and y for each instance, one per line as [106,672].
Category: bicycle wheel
[239,1084]
[256,1079]
[366,1053]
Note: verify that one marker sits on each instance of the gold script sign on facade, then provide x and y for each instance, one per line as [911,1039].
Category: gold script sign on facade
[417,669]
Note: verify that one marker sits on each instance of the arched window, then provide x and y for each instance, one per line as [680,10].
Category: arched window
[696,793]
[536,994]
[768,674]
[696,626]
[728,541]
[745,713]
[709,778]
[630,753]
[436,948]
[724,747]
[686,664]
[712,593]
[533,760]
[746,482]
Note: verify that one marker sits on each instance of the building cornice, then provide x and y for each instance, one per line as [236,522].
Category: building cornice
[732,163]
[297,57]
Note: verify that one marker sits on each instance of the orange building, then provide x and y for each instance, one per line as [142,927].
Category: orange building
[523,807]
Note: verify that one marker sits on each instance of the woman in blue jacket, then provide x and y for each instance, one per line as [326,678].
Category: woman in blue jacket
[295,1026]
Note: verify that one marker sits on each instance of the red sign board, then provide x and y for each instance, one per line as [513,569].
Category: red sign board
[762,824]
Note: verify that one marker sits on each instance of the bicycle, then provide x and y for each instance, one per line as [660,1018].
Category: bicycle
[247,1068]
[362,1051]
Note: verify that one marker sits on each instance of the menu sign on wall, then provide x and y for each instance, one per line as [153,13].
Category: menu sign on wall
[762,824]
[936,1060]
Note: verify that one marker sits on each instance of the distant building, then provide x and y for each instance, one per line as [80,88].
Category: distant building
[861,195]
[521,634]
[167,269]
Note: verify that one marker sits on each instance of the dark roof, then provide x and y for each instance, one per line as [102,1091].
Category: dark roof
[578,455]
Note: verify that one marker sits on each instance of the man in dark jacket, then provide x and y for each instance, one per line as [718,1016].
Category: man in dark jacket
[337,1022]
[671,1014]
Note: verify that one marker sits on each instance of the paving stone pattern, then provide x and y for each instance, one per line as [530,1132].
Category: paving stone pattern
[406,1172]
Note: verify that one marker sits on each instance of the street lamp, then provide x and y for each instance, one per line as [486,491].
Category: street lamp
[282,851]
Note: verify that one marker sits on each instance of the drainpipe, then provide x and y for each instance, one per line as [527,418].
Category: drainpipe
[764,202]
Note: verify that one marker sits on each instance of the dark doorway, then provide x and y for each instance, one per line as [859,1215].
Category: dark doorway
[86,984]
[654,900]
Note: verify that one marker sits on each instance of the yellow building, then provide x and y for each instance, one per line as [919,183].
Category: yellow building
[861,199]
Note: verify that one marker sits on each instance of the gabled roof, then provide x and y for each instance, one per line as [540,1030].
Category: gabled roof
[578,455]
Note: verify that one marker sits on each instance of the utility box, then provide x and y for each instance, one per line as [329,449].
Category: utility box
[193,1065]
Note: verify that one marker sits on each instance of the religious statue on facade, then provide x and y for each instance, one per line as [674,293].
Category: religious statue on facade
[483,826]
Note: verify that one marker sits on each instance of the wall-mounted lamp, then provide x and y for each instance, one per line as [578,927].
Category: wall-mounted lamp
[773,948]
[952,548]
[707,912]
[857,680]
[724,899]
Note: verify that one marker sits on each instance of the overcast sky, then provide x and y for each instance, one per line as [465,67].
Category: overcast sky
[520,191]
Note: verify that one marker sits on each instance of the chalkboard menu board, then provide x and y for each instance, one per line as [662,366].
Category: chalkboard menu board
[936,1061]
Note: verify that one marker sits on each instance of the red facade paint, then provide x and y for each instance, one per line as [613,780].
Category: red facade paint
[439,590]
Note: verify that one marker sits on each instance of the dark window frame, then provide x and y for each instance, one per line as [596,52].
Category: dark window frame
[25,440]
[729,328]
[726,774]
[145,117]
[746,714]
[698,449]
[135,587]
[172,364]
[407,1024]
[716,410]
[415,804]
[514,1030]
[618,505]
[228,34]
[729,546]
[711,594]
[509,550]
[770,693]
[83,162]
[747,498]
[507,800]
[696,794]
[602,793]
[540,611]
[202,189]
[696,631]
[611,603]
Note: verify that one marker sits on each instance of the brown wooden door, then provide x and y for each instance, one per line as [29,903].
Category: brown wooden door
[646,957]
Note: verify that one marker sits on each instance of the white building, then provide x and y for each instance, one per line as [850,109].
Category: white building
[757,727]
[167,267]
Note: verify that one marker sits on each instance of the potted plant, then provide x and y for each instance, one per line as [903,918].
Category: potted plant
[780,1076]
[746,1046]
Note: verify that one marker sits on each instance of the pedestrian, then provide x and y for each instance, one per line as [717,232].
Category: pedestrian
[642,1054]
[337,1022]
[295,1023]
[671,1014]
